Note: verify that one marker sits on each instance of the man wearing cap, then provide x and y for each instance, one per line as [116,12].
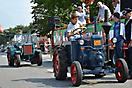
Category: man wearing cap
[101,12]
[128,31]
[74,24]
[118,33]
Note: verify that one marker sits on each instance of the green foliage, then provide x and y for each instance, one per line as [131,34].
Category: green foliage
[8,34]
[48,8]
[62,8]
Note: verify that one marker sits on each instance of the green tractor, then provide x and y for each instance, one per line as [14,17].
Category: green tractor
[24,49]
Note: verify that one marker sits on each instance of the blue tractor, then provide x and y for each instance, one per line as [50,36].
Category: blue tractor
[86,56]
[24,48]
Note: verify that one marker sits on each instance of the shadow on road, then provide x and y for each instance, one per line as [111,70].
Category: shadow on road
[92,80]
[47,64]
[98,82]
[6,66]
[52,82]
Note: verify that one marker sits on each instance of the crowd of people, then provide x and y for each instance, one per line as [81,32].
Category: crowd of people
[122,31]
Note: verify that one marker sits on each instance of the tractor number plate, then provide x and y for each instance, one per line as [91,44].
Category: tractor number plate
[97,42]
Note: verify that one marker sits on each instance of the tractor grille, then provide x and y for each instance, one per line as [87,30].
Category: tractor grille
[27,49]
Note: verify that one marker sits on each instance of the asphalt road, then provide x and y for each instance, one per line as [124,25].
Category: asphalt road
[32,76]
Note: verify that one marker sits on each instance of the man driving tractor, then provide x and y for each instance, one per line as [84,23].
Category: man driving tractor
[74,24]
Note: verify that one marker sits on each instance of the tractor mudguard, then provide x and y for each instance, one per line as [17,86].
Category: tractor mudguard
[37,51]
[17,52]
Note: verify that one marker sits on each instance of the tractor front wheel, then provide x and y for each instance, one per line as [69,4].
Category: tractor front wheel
[17,60]
[76,73]
[121,70]
[10,61]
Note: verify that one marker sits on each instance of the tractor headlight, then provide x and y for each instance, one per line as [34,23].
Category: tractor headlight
[114,40]
[20,47]
[81,42]
[35,46]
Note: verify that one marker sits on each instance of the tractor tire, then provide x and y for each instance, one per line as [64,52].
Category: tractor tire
[10,61]
[39,59]
[60,64]
[17,60]
[32,62]
[121,70]
[76,73]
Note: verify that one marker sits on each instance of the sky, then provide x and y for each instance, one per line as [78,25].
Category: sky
[15,12]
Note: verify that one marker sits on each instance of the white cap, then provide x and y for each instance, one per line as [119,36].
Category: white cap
[100,3]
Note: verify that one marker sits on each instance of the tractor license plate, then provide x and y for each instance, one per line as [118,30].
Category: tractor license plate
[97,42]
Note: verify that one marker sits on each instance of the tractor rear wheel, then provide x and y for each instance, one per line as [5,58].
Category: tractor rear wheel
[60,64]
[17,60]
[121,70]
[76,73]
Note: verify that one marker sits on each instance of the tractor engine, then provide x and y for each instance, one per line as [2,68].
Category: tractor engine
[95,59]
[93,54]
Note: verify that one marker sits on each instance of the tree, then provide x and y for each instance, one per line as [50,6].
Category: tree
[44,9]
[8,34]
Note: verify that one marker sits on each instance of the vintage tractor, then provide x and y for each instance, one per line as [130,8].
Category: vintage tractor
[24,49]
[86,55]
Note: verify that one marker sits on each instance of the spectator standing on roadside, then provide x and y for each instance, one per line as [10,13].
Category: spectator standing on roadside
[81,15]
[116,4]
[128,31]
[101,12]
[118,33]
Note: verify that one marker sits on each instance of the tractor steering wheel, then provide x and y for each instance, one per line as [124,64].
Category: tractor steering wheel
[78,31]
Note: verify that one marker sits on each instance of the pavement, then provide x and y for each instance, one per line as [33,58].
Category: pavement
[32,76]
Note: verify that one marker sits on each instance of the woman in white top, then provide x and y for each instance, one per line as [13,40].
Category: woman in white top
[116,4]
[101,12]
[81,15]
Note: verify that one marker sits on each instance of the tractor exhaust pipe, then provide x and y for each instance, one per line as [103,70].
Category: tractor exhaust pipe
[106,26]
[95,25]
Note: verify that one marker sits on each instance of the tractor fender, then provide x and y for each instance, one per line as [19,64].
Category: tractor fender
[17,52]
[12,51]
[37,51]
